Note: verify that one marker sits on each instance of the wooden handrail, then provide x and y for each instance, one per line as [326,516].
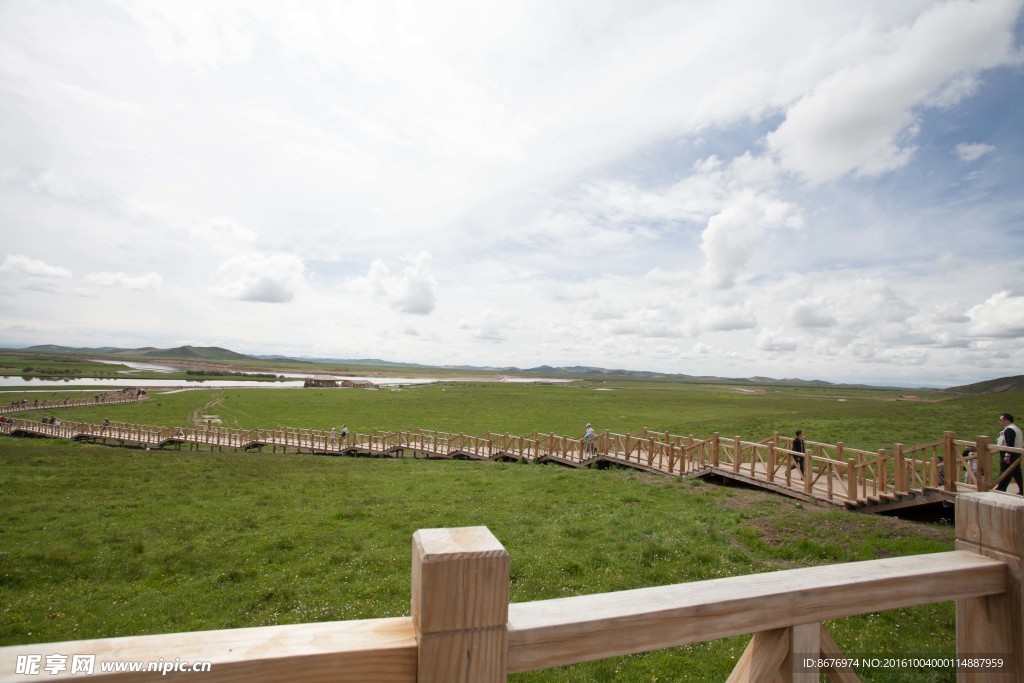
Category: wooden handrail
[564,631]
[365,650]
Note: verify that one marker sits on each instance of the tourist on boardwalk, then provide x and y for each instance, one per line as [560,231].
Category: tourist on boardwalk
[970,466]
[1009,436]
[334,437]
[799,447]
[590,437]
[344,434]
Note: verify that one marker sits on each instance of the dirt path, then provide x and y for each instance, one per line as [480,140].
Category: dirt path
[200,416]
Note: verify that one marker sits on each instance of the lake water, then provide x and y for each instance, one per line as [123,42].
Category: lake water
[291,381]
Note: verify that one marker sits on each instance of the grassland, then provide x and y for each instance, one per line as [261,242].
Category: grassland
[868,419]
[101,542]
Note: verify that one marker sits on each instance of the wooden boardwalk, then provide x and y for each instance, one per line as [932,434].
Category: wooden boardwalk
[874,481]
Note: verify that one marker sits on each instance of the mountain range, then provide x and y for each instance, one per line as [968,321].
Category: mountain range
[213,354]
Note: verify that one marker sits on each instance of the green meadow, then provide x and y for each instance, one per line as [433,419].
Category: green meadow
[861,418]
[98,542]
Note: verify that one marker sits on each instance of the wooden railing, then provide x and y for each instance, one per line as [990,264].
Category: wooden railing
[461,628]
[834,473]
[98,399]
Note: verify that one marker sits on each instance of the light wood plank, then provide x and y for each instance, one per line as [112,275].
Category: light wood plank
[373,650]
[563,631]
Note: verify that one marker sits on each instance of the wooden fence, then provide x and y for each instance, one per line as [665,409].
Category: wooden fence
[461,628]
[831,473]
[97,399]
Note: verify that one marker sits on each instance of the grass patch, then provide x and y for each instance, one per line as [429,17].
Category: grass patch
[98,542]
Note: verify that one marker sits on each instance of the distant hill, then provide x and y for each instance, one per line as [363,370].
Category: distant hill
[197,353]
[992,386]
[586,372]
[204,353]
[52,348]
[212,354]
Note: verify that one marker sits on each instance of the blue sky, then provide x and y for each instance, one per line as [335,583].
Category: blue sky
[826,190]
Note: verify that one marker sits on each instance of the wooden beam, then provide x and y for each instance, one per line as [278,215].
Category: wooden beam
[460,582]
[562,631]
[830,650]
[763,658]
[377,650]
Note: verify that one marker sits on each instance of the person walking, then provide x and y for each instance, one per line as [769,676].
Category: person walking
[590,436]
[1010,435]
[799,447]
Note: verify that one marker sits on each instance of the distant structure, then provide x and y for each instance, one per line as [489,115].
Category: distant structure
[358,383]
[333,383]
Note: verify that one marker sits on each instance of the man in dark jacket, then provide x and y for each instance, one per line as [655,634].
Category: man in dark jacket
[1009,436]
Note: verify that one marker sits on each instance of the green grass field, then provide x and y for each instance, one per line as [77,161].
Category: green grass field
[98,542]
[868,419]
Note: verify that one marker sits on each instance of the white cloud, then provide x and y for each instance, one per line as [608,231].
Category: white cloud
[195,33]
[23,265]
[43,181]
[574,292]
[732,236]
[1001,315]
[724,319]
[260,277]
[972,151]
[861,119]
[412,292]
[775,340]
[487,327]
[811,314]
[143,282]
[222,234]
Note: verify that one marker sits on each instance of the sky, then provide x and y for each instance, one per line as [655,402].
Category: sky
[825,190]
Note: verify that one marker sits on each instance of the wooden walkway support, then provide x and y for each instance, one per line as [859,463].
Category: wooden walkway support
[463,630]
[831,474]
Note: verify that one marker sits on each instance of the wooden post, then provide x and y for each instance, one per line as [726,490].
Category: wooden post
[460,584]
[992,524]
[804,642]
[714,450]
[949,469]
[851,472]
[882,472]
[901,470]
[737,450]
[984,474]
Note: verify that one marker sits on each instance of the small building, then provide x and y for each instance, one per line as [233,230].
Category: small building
[320,383]
[332,383]
[358,383]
